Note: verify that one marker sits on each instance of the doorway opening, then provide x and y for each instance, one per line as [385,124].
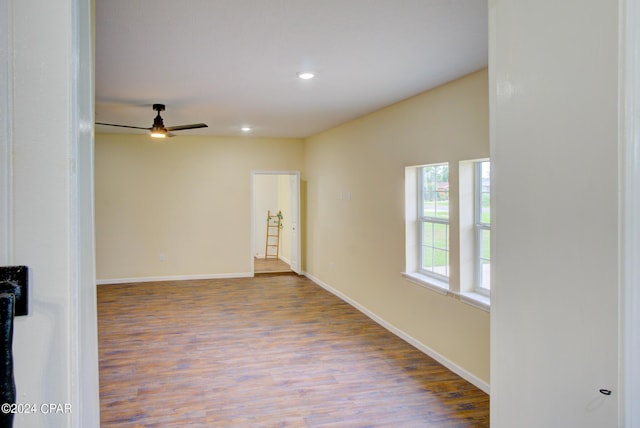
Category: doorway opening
[275,192]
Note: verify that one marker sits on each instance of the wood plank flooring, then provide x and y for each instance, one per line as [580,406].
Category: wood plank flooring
[273,351]
[261,265]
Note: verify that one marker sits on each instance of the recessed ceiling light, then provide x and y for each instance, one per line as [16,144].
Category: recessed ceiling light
[245,129]
[306,75]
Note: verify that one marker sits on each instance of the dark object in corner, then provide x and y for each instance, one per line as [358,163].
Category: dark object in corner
[15,280]
[14,301]
[7,383]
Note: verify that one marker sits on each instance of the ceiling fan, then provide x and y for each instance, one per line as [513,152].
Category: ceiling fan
[158,130]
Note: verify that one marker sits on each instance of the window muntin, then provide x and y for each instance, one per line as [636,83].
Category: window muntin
[433,216]
[482,213]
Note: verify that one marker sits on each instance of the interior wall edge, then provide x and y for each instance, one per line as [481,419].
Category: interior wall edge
[629,232]
[6,137]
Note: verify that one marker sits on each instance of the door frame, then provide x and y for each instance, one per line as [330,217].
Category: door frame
[74,312]
[296,243]
[629,213]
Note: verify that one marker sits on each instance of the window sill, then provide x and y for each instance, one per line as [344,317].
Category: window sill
[474,299]
[427,281]
[478,300]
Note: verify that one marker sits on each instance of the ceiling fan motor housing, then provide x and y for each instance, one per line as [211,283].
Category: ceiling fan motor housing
[158,123]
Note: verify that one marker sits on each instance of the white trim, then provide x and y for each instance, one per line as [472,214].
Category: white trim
[75,108]
[629,197]
[263,172]
[484,386]
[472,298]
[477,300]
[252,220]
[296,225]
[286,260]
[174,278]
[427,281]
[83,306]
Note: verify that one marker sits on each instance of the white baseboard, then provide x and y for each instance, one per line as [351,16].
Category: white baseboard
[484,386]
[286,260]
[173,278]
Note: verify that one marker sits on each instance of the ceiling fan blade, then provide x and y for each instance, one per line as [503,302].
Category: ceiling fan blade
[182,127]
[122,126]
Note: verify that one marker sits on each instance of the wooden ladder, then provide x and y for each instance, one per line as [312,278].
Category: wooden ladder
[273,235]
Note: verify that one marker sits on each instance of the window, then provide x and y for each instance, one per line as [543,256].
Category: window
[433,219]
[482,213]
[439,212]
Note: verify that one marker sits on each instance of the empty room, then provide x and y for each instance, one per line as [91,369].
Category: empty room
[339,213]
[181,221]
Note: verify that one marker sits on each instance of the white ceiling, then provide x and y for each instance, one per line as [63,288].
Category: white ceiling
[234,62]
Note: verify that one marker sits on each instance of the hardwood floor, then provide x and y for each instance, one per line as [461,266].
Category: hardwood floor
[273,351]
[261,265]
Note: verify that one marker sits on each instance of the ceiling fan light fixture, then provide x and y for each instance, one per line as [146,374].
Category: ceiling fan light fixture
[158,133]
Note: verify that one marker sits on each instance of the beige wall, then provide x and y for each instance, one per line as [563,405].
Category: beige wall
[187,198]
[355,229]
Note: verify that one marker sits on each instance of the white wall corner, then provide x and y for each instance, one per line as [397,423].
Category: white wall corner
[629,197]
[6,163]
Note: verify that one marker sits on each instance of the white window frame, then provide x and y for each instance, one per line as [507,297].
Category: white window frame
[480,227]
[422,219]
[460,285]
